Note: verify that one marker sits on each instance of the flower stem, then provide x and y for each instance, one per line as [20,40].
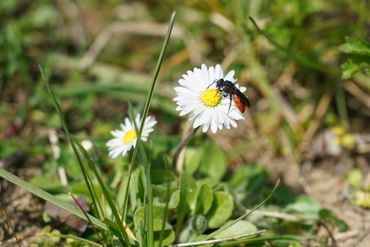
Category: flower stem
[181,146]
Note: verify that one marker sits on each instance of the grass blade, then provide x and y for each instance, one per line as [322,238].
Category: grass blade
[148,203]
[123,229]
[217,241]
[124,237]
[86,177]
[260,240]
[87,217]
[146,108]
[49,198]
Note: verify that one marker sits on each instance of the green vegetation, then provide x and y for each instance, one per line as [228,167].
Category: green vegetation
[70,71]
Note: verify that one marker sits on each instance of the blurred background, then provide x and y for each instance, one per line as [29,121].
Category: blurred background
[305,64]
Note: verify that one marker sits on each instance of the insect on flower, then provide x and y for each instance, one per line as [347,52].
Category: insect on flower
[228,89]
[202,94]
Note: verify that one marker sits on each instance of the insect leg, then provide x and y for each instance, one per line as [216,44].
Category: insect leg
[212,83]
[230,99]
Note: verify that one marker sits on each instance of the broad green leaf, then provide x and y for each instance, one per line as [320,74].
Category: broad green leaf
[204,200]
[213,161]
[305,206]
[168,237]
[158,213]
[192,194]
[192,159]
[221,210]
[355,46]
[160,194]
[240,228]
[174,200]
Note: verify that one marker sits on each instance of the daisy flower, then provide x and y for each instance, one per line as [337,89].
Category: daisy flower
[125,138]
[198,96]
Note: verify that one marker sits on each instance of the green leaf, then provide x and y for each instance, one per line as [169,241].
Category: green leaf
[174,200]
[158,213]
[329,216]
[221,210]
[359,57]
[240,228]
[204,200]
[354,64]
[213,161]
[192,159]
[168,237]
[231,223]
[305,206]
[191,192]
[294,244]
[355,46]
[187,195]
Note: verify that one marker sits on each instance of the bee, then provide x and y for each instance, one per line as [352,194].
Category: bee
[228,89]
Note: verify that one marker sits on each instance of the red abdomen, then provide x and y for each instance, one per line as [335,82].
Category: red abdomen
[239,103]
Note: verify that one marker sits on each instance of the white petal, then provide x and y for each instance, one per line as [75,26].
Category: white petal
[243,89]
[230,76]
[213,126]
[211,74]
[205,127]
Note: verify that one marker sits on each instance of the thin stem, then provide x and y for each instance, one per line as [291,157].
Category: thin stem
[334,242]
[340,98]
[220,240]
[87,217]
[181,146]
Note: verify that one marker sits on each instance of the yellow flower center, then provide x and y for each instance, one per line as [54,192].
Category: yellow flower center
[210,97]
[129,136]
